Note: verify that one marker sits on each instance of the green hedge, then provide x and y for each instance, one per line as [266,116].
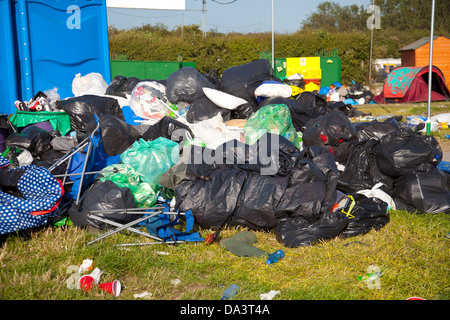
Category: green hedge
[221,51]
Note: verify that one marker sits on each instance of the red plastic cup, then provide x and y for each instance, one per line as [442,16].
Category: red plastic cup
[86,282]
[113,287]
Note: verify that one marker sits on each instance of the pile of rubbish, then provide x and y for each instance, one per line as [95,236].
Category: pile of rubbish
[235,150]
[356,94]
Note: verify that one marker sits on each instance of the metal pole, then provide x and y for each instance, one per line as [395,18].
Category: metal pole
[371,44]
[204,18]
[273,42]
[430,68]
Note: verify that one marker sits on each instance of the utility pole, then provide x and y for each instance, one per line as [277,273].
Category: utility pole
[204,19]
[273,42]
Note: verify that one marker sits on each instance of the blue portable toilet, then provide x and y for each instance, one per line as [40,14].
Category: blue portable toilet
[53,41]
[8,77]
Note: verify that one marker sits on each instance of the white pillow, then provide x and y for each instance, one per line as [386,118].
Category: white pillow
[223,99]
[273,89]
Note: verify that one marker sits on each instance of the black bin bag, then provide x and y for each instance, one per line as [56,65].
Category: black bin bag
[361,170]
[103,196]
[117,135]
[204,109]
[81,111]
[426,190]
[186,85]
[308,106]
[367,214]
[375,129]
[241,81]
[298,232]
[33,139]
[402,151]
[328,130]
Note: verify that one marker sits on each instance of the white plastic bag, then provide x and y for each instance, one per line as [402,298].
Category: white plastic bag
[92,83]
[273,89]
[223,99]
[213,132]
[148,100]
[376,192]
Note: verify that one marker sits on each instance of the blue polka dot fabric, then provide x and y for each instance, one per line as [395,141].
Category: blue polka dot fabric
[4,162]
[41,193]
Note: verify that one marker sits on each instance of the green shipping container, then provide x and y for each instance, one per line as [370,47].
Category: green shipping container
[331,70]
[156,70]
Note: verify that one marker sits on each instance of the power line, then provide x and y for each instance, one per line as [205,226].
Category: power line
[223,2]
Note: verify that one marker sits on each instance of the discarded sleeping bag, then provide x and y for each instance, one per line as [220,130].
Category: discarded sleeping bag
[402,151]
[425,189]
[328,130]
[81,111]
[186,85]
[36,198]
[242,81]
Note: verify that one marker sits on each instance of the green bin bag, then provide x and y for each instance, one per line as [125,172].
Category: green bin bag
[141,167]
[272,118]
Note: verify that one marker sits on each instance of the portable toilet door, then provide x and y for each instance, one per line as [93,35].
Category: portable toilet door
[8,77]
[56,40]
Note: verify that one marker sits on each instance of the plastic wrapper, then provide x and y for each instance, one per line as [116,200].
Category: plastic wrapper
[272,119]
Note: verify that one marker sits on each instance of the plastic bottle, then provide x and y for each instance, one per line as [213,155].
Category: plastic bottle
[230,292]
[275,257]
[447,136]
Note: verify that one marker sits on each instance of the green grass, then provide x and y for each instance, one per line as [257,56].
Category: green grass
[412,251]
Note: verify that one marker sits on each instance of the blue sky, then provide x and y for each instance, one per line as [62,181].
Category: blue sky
[238,16]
